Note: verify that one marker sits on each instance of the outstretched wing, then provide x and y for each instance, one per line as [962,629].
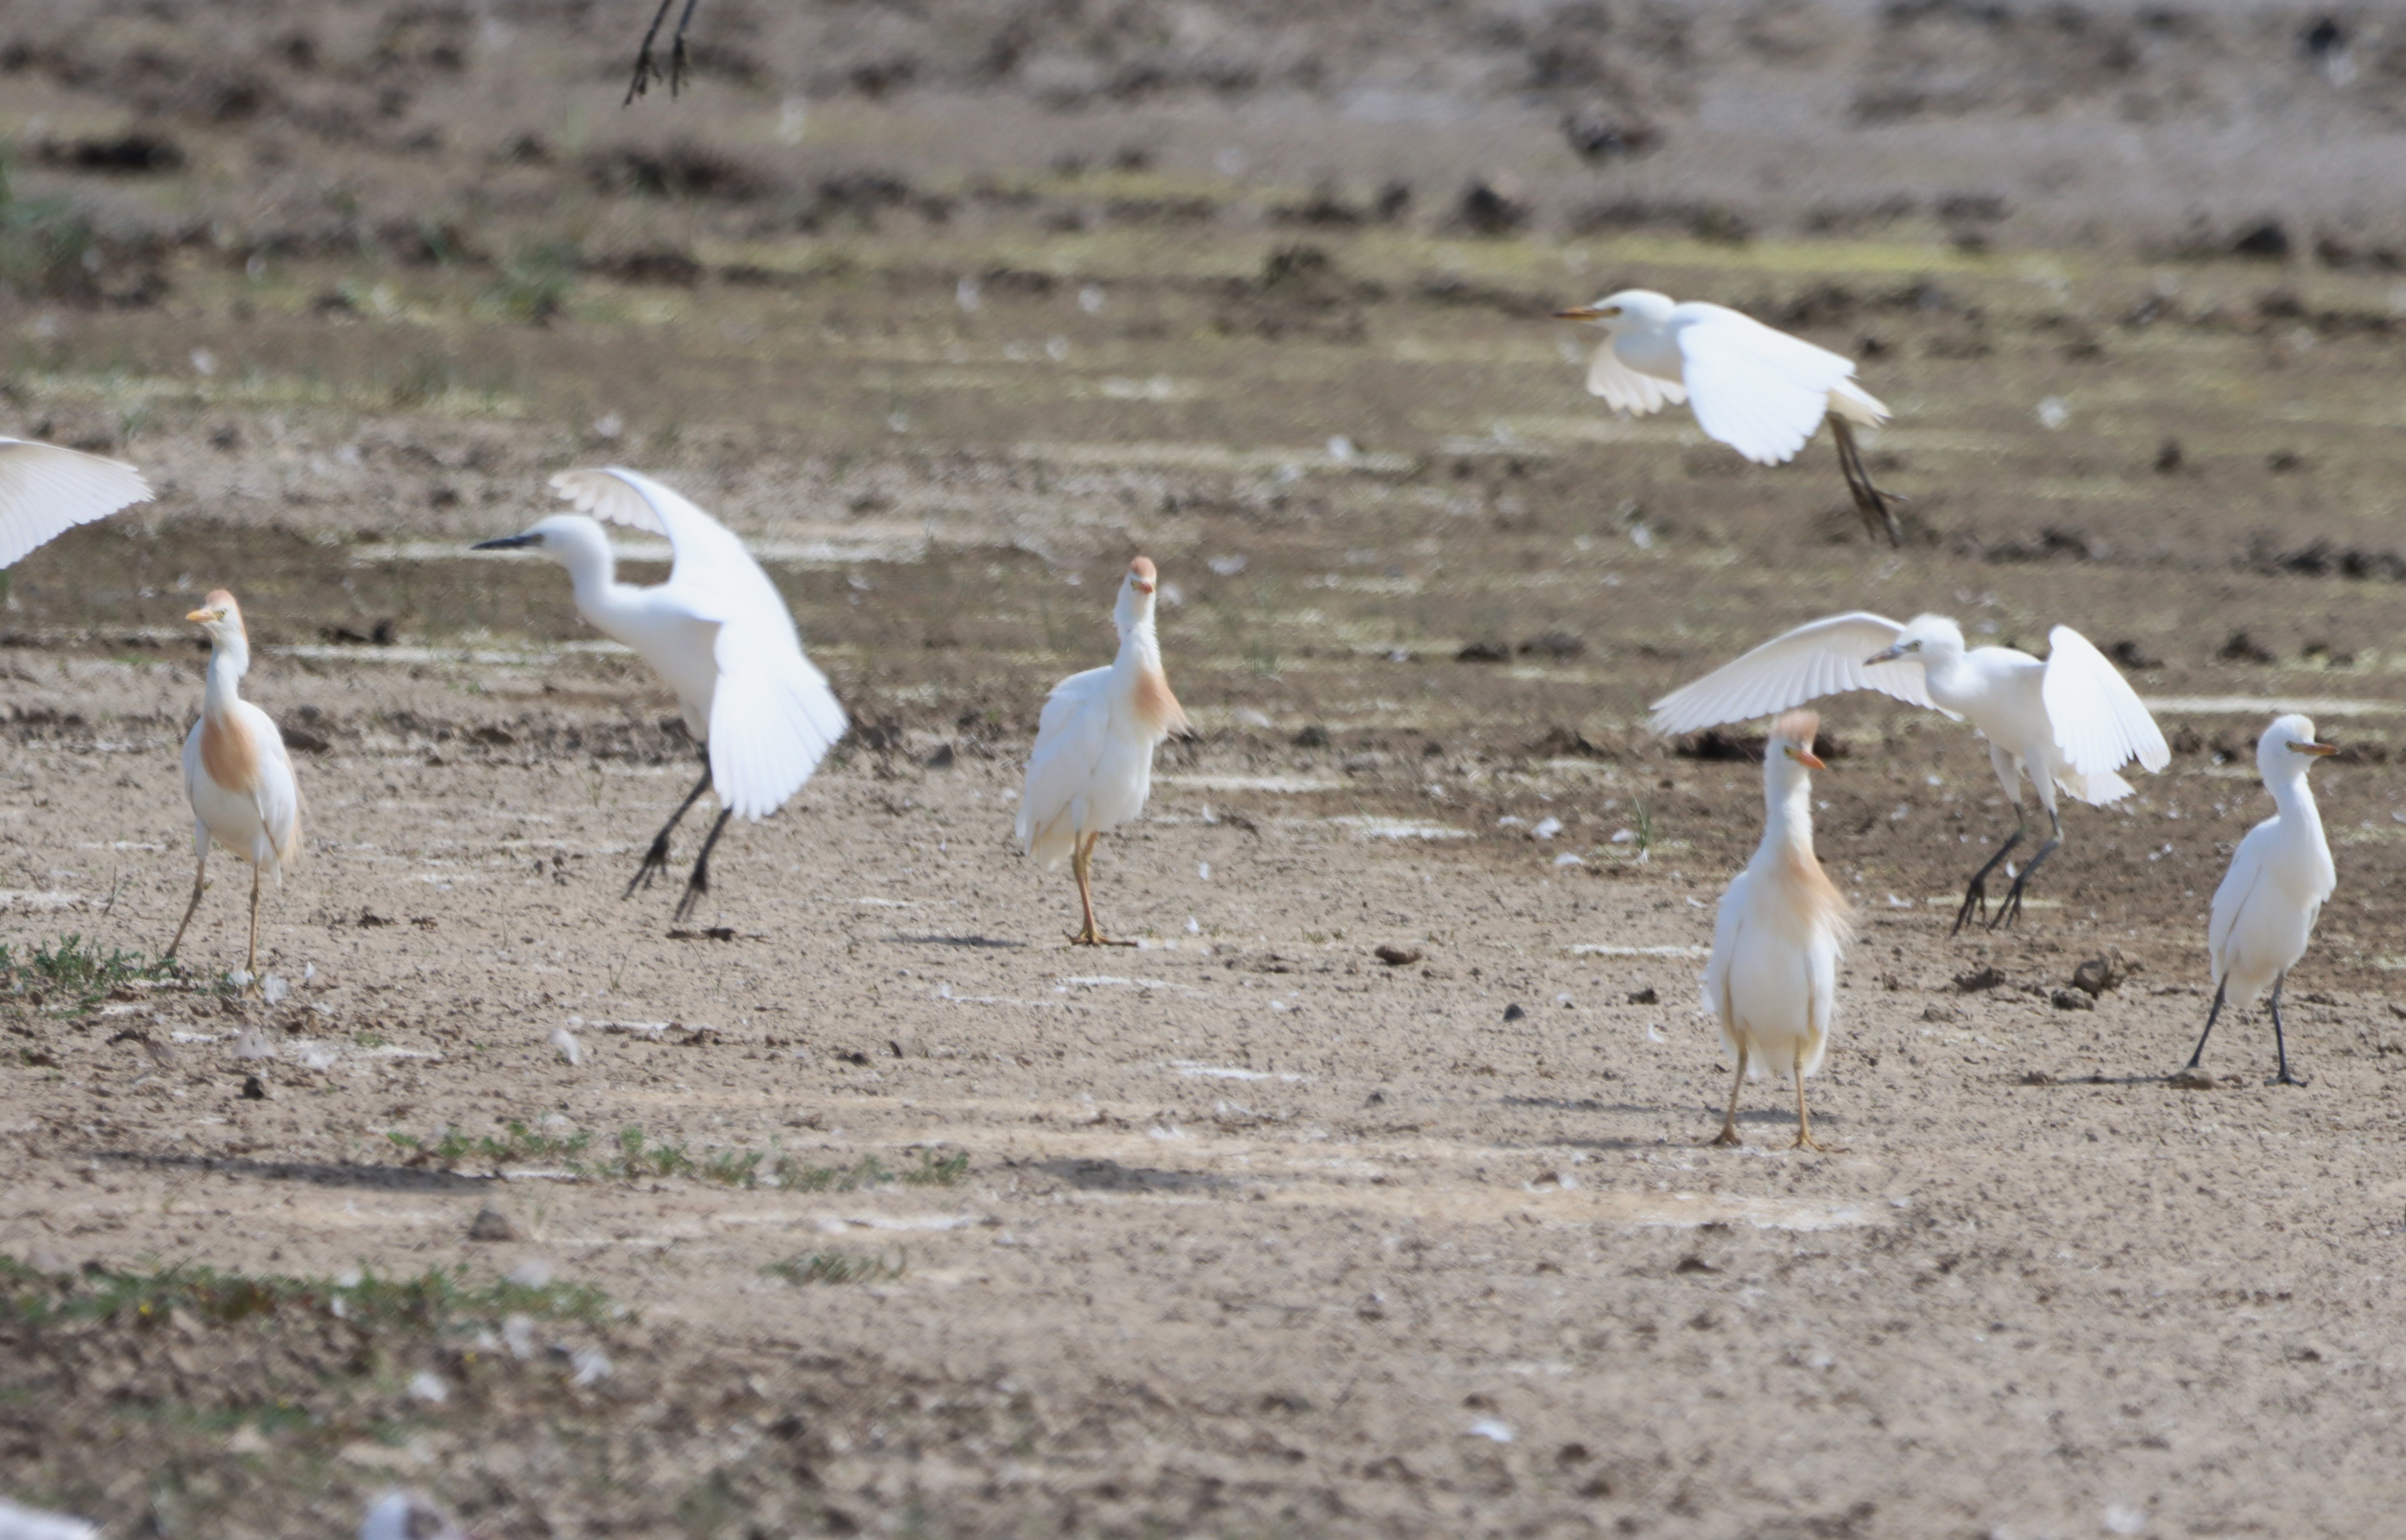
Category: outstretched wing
[772,718]
[46,490]
[1820,658]
[1759,391]
[2098,720]
[1624,389]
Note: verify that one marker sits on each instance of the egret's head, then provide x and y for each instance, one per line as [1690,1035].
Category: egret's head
[220,617]
[1791,740]
[1638,307]
[1136,600]
[1926,636]
[2288,746]
[559,537]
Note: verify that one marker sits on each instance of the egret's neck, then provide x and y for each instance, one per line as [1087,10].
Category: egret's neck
[593,573]
[229,661]
[1140,644]
[1788,807]
[2292,795]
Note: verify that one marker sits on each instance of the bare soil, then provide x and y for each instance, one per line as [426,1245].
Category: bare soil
[933,1224]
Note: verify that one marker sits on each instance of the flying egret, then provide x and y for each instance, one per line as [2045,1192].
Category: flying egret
[2280,876]
[717,631]
[1092,765]
[1773,976]
[237,771]
[2068,722]
[1761,392]
[46,490]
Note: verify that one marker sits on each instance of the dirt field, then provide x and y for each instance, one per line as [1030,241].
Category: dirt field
[867,1205]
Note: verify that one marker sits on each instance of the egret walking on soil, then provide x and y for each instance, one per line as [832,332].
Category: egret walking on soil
[2069,723]
[1092,765]
[236,773]
[1772,977]
[2280,877]
[720,635]
[46,490]
[1761,392]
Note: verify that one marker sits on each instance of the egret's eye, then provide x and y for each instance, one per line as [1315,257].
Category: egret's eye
[1610,310]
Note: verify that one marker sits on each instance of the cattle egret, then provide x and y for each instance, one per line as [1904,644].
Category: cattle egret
[717,632]
[2280,876]
[1092,765]
[236,773]
[406,1516]
[2068,722]
[1773,976]
[46,490]
[1761,392]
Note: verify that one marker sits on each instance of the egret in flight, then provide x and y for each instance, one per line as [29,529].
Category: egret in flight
[1759,390]
[2068,723]
[1092,765]
[2280,877]
[236,773]
[1773,976]
[717,632]
[46,490]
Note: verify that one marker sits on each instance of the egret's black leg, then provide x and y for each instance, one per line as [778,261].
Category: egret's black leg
[1975,896]
[656,860]
[2219,990]
[676,50]
[699,883]
[1869,500]
[2280,1045]
[646,71]
[2011,909]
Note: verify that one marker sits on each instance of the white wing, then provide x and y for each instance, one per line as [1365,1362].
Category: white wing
[1820,658]
[2098,720]
[1072,736]
[1624,389]
[1759,391]
[1726,927]
[713,576]
[46,490]
[2230,899]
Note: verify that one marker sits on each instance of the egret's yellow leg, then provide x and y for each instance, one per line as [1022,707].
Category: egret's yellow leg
[1080,856]
[1804,1116]
[1729,1122]
[200,881]
[253,987]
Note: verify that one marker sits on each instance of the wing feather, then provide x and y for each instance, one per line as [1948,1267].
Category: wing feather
[1820,658]
[46,490]
[2099,721]
[713,574]
[1762,392]
[1624,389]
[1072,736]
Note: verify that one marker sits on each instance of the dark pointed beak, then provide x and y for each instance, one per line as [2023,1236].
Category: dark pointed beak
[506,543]
[1579,313]
[1891,655]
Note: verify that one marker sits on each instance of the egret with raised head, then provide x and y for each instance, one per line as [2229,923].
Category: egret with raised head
[1092,765]
[236,773]
[2280,877]
[2068,723]
[1755,389]
[718,632]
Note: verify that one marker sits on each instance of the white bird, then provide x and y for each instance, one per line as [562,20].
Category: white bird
[717,631]
[46,490]
[1759,390]
[1773,976]
[1092,765]
[2069,723]
[23,1523]
[2280,876]
[236,773]
[406,1516]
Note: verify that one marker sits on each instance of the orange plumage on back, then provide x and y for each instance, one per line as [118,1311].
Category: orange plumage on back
[227,753]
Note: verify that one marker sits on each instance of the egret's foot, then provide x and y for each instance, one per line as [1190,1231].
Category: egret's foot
[2011,909]
[656,860]
[1976,905]
[1806,1141]
[697,887]
[2285,1077]
[1727,1136]
[1091,936]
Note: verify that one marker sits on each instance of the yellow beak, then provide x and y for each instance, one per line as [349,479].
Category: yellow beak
[1579,313]
[202,617]
[2316,749]
[1807,758]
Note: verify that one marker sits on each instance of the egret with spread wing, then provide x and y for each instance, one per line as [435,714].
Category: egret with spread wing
[717,631]
[1092,765]
[1759,390]
[46,490]
[1773,976]
[236,773]
[2280,877]
[2068,723]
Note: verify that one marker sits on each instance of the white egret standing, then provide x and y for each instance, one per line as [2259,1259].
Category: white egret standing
[236,773]
[2281,874]
[717,631]
[2069,723]
[46,490]
[1759,390]
[1092,765]
[1772,977]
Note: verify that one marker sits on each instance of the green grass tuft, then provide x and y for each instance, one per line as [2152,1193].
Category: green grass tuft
[434,1301]
[638,1158]
[77,971]
[837,1267]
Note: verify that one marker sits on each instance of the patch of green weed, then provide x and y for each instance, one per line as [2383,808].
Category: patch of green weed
[837,1267]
